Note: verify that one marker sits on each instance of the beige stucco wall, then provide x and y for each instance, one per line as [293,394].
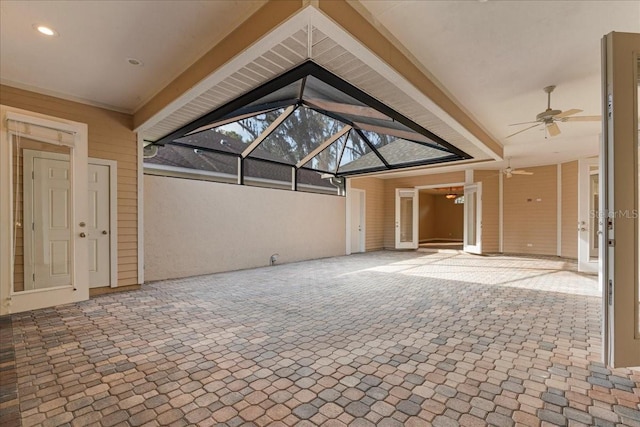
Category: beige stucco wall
[198,227]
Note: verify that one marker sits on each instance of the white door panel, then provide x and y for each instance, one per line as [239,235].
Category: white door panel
[357,221]
[48,262]
[98,226]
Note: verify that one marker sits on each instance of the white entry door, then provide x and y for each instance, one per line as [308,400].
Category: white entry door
[473,218]
[357,206]
[48,234]
[47,204]
[99,226]
[42,250]
[620,200]
[406,218]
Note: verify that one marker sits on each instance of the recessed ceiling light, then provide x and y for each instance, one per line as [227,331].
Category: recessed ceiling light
[134,61]
[47,31]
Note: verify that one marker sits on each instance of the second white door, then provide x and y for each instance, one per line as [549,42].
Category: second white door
[98,226]
[357,221]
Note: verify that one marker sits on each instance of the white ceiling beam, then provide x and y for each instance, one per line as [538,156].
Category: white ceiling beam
[324,145]
[268,131]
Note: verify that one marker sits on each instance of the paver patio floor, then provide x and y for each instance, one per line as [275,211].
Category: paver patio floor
[384,338]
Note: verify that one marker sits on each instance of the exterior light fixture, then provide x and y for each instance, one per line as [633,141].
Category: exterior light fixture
[451,194]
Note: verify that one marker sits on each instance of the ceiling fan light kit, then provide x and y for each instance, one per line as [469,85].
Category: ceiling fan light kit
[550,117]
[509,171]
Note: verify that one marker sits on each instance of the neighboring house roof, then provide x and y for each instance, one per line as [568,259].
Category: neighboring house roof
[200,159]
[397,152]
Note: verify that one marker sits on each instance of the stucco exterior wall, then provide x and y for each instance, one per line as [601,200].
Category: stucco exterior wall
[198,227]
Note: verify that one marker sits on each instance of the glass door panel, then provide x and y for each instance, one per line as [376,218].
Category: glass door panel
[406,218]
[473,218]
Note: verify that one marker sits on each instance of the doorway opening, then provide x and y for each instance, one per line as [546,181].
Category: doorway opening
[441,217]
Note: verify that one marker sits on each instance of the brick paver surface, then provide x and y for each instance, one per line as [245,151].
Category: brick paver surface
[386,339]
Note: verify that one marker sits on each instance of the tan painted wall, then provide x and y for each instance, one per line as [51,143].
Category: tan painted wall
[524,222]
[440,218]
[530,226]
[111,138]
[569,248]
[427,212]
[374,190]
[199,227]
[449,221]
[390,186]
[490,180]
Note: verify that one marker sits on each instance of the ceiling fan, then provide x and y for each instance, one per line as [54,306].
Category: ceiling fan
[549,117]
[509,171]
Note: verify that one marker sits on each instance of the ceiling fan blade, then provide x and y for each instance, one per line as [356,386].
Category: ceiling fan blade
[521,172]
[582,119]
[523,123]
[567,113]
[520,131]
[554,129]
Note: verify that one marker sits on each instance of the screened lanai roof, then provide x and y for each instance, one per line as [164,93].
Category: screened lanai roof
[308,118]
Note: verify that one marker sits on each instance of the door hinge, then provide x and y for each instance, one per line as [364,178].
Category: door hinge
[34,277]
[610,291]
[33,175]
[33,226]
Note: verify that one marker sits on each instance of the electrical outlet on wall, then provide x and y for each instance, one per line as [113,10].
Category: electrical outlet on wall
[529,245]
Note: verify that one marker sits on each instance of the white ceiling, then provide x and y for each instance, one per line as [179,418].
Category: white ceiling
[494,57]
[88,60]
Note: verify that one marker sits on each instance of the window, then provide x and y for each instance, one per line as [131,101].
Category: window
[306,119]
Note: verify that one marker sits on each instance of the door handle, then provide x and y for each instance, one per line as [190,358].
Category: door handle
[104,232]
[83,234]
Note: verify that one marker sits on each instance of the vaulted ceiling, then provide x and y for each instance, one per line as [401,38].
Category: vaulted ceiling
[491,57]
